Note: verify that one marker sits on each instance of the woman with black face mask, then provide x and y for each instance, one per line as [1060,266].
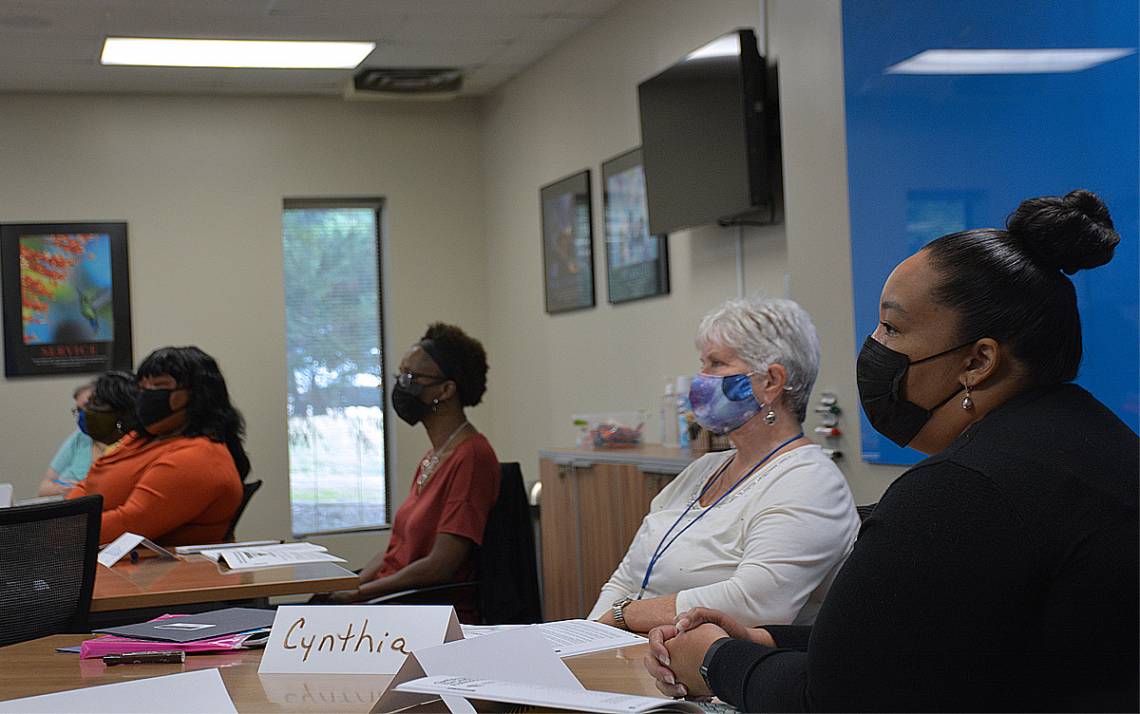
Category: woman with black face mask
[457,481]
[1000,574]
[176,479]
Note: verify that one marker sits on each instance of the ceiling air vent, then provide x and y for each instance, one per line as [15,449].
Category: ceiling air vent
[405,83]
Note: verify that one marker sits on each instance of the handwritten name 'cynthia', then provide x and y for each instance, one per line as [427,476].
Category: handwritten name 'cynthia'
[316,642]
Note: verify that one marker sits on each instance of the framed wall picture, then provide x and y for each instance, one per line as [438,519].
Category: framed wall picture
[568,243]
[66,295]
[637,264]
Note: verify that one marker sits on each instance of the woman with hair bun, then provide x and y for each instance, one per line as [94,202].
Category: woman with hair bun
[1000,574]
[436,529]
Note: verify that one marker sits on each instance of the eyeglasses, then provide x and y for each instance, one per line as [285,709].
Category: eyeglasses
[407,380]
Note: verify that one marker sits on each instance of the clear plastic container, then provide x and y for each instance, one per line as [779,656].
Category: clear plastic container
[610,430]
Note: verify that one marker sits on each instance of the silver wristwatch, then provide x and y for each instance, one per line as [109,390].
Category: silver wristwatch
[619,611]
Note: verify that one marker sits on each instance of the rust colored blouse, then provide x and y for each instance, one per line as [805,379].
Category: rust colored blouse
[178,491]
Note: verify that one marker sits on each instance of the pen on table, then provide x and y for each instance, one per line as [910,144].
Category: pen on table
[163,657]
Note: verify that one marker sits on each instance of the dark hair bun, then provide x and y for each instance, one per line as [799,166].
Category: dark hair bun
[1068,233]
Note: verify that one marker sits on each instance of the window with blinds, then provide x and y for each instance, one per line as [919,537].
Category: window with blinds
[337,440]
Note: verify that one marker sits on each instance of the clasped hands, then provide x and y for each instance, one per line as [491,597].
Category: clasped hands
[676,651]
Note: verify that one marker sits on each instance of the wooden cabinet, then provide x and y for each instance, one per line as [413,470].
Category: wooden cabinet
[592,506]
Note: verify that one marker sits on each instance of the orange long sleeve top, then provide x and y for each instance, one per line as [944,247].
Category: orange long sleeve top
[178,491]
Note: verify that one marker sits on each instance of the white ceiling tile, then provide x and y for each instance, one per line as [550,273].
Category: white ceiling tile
[541,41]
[54,45]
[472,8]
[440,54]
[483,29]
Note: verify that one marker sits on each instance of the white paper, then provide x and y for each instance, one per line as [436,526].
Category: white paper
[579,700]
[353,639]
[470,632]
[119,547]
[37,500]
[249,558]
[192,549]
[215,553]
[568,637]
[184,693]
[5,495]
[522,654]
[575,637]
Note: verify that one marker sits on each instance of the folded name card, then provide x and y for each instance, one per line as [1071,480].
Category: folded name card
[353,639]
[116,549]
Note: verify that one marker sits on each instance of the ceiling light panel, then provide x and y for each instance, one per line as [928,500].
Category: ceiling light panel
[279,54]
[1004,61]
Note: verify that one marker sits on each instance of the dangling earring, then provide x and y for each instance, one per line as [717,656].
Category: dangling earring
[770,417]
[435,405]
[967,401]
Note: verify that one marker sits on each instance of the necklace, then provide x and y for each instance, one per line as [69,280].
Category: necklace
[431,461]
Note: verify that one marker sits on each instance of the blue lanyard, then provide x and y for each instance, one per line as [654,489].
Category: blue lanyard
[663,546]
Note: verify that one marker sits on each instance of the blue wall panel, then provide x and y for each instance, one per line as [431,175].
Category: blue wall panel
[931,154]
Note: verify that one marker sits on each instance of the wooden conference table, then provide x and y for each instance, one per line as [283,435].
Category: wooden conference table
[153,582]
[32,668]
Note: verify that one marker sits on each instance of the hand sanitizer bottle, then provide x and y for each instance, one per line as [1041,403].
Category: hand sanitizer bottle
[684,411]
[669,417]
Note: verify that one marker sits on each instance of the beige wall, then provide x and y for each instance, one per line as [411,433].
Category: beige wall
[200,182]
[577,108]
[806,37]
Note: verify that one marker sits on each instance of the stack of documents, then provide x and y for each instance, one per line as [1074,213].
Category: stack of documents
[232,628]
[194,549]
[568,637]
[268,556]
[543,697]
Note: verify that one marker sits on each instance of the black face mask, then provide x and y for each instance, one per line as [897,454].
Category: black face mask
[101,426]
[408,406]
[881,375]
[154,406]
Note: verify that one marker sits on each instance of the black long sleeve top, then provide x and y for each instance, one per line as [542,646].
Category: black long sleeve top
[998,575]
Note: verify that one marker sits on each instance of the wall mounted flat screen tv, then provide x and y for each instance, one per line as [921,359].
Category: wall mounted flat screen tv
[710,137]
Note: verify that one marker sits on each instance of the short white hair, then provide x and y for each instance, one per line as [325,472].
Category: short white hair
[765,331]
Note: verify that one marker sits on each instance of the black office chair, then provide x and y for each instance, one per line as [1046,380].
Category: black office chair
[506,582]
[865,511]
[247,491]
[47,570]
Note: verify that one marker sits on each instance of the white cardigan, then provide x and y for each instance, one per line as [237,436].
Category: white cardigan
[766,554]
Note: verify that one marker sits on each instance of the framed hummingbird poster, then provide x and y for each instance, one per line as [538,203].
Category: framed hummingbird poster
[66,296]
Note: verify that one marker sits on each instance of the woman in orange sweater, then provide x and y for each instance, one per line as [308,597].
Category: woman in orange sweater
[177,479]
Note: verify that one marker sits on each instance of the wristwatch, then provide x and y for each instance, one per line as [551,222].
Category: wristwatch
[619,611]
[708,658]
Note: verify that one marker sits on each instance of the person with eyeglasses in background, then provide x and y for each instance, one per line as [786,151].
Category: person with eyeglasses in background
[74,456]
[436,529]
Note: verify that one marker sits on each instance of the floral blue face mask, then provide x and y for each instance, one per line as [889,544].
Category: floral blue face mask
[723,404]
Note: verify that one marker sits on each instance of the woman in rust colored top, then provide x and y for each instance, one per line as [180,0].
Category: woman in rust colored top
[177,479]
[435,531]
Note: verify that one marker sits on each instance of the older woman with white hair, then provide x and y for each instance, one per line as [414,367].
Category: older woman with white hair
[758,531]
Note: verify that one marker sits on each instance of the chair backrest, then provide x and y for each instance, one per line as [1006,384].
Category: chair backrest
[865,511]
[508,569]
[247,490]
[47,567]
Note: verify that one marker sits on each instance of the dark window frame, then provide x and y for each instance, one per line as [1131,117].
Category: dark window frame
[377,204]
